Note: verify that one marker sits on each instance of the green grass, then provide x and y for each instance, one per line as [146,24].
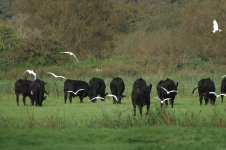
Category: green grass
[157,137]
[102,125]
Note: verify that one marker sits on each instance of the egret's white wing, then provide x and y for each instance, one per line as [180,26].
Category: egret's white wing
[173,91]
[222,94]
[111,95]
[165,89]
[213,93]
[79,91]
[71,54]
[71,92]
[158,98]
[98,97]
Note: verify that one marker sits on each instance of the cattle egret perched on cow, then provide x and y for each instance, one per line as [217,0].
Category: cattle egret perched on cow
[98,97]
[76,91]
[56,76]
[70,53]
[215,27]
[166,99]
[168,92]
[217,95]
[31,72]
[111,95]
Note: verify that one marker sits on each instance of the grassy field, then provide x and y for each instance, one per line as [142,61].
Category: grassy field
[104,125]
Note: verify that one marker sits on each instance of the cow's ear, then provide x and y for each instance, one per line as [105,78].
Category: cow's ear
[177,84]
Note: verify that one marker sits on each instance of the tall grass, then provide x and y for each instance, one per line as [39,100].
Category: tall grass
[157,116]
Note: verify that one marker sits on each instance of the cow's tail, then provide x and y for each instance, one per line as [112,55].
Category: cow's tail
[194,90]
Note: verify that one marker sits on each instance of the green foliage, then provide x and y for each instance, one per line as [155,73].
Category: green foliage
[8,38]
[5,9]
[83,27]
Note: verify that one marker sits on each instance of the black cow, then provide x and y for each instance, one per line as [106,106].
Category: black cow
[141,95]
[37,89]
[117,87]
[97,87]
[75,85]
[204,87]
[22,87]
[223,88]
[169,85]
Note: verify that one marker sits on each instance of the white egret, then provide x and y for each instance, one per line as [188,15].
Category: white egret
[72,54]
[168,92]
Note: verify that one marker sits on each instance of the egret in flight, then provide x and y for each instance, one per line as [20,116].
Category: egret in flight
[215,27]
[168,92]
[56,76]
[70,53]
[76,91]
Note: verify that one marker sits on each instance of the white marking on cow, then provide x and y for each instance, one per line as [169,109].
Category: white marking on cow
[98,97]
[215,27]
[72,54]
[168,92]
[217,95]
[111,95]
[166,99]
[32,93]
[56,76]
[76,91]
[31,72]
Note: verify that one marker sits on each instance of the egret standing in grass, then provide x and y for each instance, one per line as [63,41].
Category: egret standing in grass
[70,53]
[215,27]
[56,76]
[31,72]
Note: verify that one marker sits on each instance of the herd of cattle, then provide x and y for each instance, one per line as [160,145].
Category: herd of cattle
[95,89]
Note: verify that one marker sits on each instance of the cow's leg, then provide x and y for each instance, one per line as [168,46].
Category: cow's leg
[172,102]
[17,99]
[166,102]
[81,98]
[148,108]
[70,98]
[200,99]
[119,98]
[65,97]
[206,100]
[32,101]
[140,110]
[24,97]
[134,109]
[36,100]
[222,98]
[103,95]
[114,101]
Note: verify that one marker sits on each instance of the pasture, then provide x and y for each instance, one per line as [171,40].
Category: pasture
[102,125]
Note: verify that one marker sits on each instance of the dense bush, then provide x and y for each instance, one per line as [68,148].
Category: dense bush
[156,35]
